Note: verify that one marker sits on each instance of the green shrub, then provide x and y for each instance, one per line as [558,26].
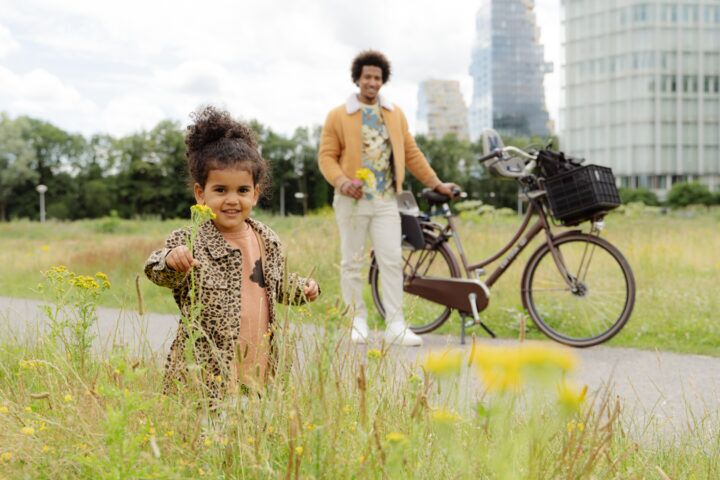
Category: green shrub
[642,195]
[684,194]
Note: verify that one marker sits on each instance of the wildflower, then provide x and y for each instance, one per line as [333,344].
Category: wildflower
[45,248]
[4,409]
[6,456]
[299,450]
[30,431]
[46,448]
[443,364]
[169,434]
[310,427]
[207,442]
[201,472]
[85,282]
[104,279]
[28,409]
[395,437]
[270,429]
[367,177]
[201,213]
[224,441]
[218,379]
[151,431]
[347,409]
[43,426]
[67,398]
[250,441]
[374,354]
[444,416]
[570,397]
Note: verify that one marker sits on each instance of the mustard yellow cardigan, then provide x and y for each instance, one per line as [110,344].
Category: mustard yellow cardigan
[340,154]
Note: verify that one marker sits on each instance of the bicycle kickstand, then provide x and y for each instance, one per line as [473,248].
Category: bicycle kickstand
[476,319]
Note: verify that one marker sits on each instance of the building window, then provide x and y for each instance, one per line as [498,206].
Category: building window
[712,84]
[690,84]
[668,83]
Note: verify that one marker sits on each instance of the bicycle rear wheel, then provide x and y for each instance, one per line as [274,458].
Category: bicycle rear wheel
[421,315]
[595,307]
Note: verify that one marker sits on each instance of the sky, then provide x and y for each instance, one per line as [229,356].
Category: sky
[115,67]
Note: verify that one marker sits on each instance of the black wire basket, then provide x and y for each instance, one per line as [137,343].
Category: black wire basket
[581,194]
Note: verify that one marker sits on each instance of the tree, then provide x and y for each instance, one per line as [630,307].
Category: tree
[16,160]
[683,194]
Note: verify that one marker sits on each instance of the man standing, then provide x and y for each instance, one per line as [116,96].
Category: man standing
[370,133]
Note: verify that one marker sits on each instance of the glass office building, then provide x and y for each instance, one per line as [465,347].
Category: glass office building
[642,89]
[441,109]
[508,70]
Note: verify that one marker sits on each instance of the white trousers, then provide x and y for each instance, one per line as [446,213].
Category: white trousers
[380,219]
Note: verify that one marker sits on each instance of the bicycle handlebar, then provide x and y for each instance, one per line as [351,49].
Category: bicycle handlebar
[499,154]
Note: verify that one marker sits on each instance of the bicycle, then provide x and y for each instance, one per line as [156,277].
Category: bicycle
[567,300]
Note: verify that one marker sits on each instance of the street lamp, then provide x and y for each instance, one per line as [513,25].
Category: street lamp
[301,196]
[41,189]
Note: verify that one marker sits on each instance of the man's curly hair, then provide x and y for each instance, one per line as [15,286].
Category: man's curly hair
[371,58]
[216,141]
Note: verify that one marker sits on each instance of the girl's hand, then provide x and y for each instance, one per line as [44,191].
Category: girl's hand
[311,290]
[180,259]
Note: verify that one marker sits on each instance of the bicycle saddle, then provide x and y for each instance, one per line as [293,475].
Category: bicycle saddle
[434,198]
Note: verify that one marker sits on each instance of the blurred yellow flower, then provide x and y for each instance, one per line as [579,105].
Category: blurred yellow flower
[28,430]
[367,177]
[207,442]
[444,416]
[4,409]
[200,213]
[347,409]
[104,279]
[45,248]
[46,448]
[570,397]
[374,354]
[309,427]
[395,437]
[443,364]
[28,409]
[299,450]
[67,398]
[6,456]
[169,434]
[218,379]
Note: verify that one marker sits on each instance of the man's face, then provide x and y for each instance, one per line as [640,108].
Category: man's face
[370,82]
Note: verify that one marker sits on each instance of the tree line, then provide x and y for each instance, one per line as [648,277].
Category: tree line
[144,174]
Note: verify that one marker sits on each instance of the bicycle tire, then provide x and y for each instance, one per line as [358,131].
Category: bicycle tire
[438,257]
[564,325]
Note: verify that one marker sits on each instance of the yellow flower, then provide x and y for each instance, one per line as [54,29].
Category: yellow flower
[367,177]
[28,431]
[444,416]
[46,448]
[374,354]
[45,248]
[28,409]
[4,409]
[309,427]
[443,364]
[200,213]
[201,472]
[207,442]
[85,282]
[67,398]
[6,456]
[218,378]
[395,437]
[299,450]
[270,429]
[250,441]
[347,409]
[169,434]
[104,279]
[570,397]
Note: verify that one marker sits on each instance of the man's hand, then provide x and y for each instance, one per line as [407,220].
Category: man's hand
[311,290]
[352,189]
[447,189]
[180,259]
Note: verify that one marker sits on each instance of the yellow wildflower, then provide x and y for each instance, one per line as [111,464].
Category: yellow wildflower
[250,440]
[67,398]
[28,409]
[444,416]
[443,364]
[45,248]
[200,213]
[169,434]
[570,397]
[207,442]
[4,409]
[28,431]
[201,472]
[46,448]
[218,378]
[347,409]
[374,354]
[309,427]
[270,429]
[395,437]
[85,282]
[6,456]
[299,450]
[367,177]
[104,279]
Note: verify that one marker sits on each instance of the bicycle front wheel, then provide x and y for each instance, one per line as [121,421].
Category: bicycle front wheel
[421,315]
[597,301]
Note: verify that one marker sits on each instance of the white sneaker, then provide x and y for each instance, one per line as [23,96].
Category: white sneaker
[360,331]
[399,334]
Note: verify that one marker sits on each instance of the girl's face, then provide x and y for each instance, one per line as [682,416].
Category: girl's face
[231,194]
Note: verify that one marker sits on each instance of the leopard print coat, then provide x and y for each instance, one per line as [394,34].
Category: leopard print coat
[217,281]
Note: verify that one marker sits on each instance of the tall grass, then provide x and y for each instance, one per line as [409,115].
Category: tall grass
[674,258]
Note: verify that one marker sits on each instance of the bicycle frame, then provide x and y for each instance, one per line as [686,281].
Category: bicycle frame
[515,246]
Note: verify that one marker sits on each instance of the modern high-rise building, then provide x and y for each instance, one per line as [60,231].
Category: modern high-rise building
[642,89]
[441,109]
[508,70]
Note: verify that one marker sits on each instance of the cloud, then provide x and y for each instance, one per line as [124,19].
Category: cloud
[39,91]
[7,42]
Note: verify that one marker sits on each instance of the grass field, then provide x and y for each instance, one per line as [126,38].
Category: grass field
[674,257]
[357,415]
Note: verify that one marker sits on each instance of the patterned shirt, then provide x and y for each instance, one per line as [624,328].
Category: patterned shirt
[376,150]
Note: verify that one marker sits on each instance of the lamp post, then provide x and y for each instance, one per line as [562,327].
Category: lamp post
[301,196]
[41,189]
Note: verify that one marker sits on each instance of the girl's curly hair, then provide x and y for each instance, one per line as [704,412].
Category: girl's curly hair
[216,141]
[371,58]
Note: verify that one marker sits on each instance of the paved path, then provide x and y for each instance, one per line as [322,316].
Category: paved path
[666,388]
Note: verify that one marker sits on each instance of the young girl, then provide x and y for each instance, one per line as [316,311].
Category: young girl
[237,261]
